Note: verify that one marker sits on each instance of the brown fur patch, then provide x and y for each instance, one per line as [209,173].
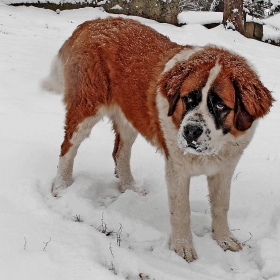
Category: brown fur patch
[112,62]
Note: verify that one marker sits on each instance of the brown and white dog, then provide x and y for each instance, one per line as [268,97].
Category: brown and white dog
[199,106]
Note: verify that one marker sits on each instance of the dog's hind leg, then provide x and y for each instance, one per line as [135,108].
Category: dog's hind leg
[75,132]
[125,136]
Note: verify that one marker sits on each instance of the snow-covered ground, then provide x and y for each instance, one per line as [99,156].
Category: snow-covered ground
[274,21]
[194,17]
[93,231]
[271,28]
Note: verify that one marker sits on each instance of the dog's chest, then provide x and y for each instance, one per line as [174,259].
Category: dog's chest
[203,164]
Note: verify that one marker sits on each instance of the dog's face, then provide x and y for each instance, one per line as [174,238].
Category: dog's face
[213,95]
[204,121]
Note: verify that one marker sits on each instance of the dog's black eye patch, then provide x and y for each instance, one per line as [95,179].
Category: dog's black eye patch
[191,100]
[219,110]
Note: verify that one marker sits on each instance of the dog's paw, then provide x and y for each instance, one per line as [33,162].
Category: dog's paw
[59,185]
[184,248]
[56,191]
[229,243]
[134,187]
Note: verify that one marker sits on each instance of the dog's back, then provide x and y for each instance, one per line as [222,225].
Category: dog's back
[112,62]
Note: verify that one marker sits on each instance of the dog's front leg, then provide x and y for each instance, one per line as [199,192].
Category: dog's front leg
[179,206]
[219,193]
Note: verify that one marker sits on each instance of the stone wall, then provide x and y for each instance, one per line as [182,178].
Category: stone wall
[159,10]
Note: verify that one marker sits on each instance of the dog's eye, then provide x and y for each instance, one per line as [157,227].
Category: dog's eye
[220,106]
[191,100]
[191,97]
[188,99]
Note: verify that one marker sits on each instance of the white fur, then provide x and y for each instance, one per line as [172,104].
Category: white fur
[55,81]
[128,135]
[65,166]
[182,55]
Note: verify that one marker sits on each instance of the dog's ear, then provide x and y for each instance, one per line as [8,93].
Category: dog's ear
[171,82]
[173,100]
[242,119]
[252,99]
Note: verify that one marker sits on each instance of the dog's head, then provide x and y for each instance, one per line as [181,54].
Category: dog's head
[212,94]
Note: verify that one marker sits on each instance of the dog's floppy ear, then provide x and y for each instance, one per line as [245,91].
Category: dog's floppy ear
[171,82]
[242,119]
[173,99]
[252,99]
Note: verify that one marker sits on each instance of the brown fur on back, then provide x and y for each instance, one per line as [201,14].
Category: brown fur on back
[111,62]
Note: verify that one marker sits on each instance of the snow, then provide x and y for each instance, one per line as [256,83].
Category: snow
[274,3]
[271,34]
[274,21]
[41,236]
[117,7]
[192,17]
[270,29]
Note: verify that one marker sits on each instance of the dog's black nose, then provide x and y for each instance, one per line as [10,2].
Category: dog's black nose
[192,133]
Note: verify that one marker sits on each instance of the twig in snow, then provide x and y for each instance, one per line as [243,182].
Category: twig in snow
[46,244]
[103,225]
[119,235]
[103,228]
[244,242]
[111,250]
[235,178]
[112,268]
[143,276]
[78,219]
[25,242]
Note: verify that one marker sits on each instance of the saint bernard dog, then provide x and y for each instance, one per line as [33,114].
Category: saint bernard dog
[198,105]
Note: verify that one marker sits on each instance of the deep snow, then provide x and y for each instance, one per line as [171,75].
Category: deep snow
[40,236]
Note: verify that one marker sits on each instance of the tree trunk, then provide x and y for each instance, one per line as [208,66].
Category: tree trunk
[233,15]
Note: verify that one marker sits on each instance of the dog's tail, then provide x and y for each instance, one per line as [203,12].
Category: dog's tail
[55,81]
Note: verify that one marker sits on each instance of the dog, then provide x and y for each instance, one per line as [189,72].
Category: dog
[198,105]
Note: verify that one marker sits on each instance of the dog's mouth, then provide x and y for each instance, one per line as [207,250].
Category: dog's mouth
[196,146]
